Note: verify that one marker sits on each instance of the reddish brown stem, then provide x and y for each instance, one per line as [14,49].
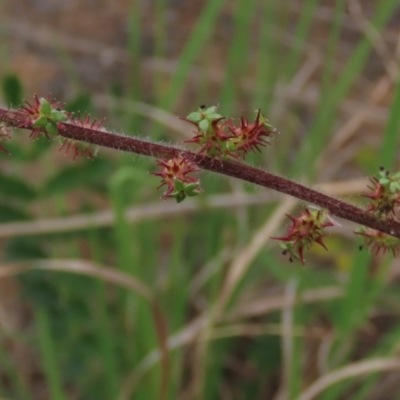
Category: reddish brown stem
[235,169]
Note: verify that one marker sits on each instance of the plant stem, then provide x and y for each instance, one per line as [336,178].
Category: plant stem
[234,169]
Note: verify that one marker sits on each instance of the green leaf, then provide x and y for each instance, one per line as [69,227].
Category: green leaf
[394,187]
[384,181]
[45,107]
[40,122]
[58,116]
[285,245]
[213,116]
[204,124]
[192,194]
[12,90]
[15,187]
[211,110]
[194,116]
[180,197]
[179,186]
[191,188]
[51,128]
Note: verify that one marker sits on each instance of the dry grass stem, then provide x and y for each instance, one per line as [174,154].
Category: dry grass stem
[268,304]
[163,209]
[350,371]
[244,258]
[189,333]
[376,39]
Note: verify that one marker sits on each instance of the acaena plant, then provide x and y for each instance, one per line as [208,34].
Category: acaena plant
[222,146]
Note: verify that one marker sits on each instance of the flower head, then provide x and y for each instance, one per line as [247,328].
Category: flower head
[218,137]
[379,242]
[43,115]
[304,231]
[249,137]
[211,131]
[385,194]
[85,122]
[77,148]
[175,175]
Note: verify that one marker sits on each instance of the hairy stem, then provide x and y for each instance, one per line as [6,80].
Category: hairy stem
[234,169]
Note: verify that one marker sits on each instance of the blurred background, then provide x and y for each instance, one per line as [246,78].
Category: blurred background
[108,292]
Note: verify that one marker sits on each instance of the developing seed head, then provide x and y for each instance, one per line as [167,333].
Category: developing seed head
[175,175]
[306,229]
[378,242]
[219,137]
[384,194]
[248,137]
[42,117]
[211,131]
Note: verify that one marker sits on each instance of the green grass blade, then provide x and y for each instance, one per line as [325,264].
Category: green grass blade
[267,51]
[300,35]
[352,309]
[104,332]
[48,351]
[321,129]
[195,43]
[332,45]
[136,249]
[160,45]
[239,53]
[390,141]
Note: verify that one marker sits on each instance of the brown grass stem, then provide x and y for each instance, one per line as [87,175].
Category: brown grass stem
[231,168]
